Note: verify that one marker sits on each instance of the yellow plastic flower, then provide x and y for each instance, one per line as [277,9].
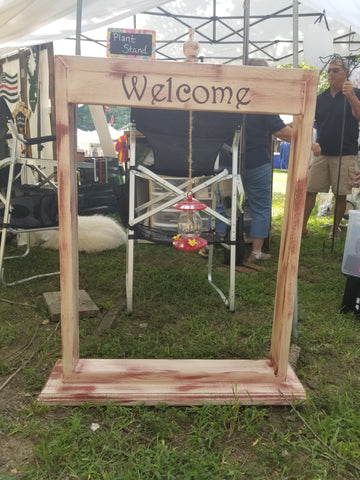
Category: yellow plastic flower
[177,237]
[192,242]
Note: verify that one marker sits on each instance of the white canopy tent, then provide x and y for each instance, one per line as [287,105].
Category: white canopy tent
[274,28]
[90,143]
[25,23]
[219,25]
[346,12]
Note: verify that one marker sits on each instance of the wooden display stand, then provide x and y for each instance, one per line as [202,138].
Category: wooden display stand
[179,86]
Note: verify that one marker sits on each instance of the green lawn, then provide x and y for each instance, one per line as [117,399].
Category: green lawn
[178,315]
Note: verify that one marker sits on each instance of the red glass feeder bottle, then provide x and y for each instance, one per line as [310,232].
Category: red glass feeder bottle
[189,225]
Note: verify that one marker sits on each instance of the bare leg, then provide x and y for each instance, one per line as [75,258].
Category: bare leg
[340,210]
[309,205]
[257,244]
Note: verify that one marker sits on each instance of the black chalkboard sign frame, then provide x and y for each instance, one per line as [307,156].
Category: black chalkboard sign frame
[131,43]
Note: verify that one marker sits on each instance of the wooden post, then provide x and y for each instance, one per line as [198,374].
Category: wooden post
[291,233]
[68,227]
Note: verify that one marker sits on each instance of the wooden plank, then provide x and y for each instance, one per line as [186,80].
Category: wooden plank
[186,86]
[175,382]
[291,231]
[86,306]
[110,316]
[68,217]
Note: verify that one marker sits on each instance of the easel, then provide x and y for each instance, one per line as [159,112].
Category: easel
[179,86]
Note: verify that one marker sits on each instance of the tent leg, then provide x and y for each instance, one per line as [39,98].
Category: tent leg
[130,272]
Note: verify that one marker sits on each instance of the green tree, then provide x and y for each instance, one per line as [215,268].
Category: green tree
[121,117]
[323,80]
[84,120]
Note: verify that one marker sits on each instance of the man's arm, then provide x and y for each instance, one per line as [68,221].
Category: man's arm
[285,134]
[348,91]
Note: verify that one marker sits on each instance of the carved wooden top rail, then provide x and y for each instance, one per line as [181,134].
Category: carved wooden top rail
[195,86]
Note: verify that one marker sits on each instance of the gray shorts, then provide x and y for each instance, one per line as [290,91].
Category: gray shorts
[324,172]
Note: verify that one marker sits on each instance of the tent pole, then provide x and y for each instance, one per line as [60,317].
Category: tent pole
[78,27]
[214,20]
[246,32]
[295,33]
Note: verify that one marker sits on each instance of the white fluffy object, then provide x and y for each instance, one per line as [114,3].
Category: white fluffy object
[95,234]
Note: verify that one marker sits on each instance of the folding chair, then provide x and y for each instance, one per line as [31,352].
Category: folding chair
[43,216]
[167,133]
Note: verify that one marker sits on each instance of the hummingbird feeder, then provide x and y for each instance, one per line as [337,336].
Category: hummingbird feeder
[189,225]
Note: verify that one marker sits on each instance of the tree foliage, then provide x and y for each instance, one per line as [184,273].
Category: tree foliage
[121,116]
[323,79]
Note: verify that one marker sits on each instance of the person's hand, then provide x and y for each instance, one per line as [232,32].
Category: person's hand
[316,149]
[348,89]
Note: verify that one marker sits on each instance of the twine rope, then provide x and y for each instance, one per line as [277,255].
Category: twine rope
[190,147]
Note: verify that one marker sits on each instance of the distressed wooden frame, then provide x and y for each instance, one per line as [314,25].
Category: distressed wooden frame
[179,86]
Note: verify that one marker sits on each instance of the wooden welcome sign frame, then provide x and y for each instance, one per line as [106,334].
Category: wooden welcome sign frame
[203,87]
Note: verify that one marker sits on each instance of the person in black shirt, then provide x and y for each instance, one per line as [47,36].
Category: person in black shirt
[330,148]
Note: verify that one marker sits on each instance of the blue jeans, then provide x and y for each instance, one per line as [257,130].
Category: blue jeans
[220,227]
[257,185]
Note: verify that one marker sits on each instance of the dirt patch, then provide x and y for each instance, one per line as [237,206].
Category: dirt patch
[16,450]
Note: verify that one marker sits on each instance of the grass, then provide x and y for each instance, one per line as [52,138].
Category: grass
[177,315]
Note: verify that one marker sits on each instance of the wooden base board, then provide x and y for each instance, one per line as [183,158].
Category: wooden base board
[175,382]
[86,306]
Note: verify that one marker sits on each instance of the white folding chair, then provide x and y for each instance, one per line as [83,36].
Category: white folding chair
[167,133]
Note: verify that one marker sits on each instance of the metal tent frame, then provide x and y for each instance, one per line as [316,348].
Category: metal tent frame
[222,38]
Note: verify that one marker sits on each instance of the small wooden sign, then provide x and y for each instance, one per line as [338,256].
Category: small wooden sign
[122,42]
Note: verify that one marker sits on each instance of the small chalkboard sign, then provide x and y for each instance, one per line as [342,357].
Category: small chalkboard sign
[123,42]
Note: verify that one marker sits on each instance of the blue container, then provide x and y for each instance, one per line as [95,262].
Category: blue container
[284,155]
[276,160]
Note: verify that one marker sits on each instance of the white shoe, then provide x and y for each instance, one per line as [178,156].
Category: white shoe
[259,257]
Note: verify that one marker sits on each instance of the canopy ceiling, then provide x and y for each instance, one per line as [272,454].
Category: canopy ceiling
[219,25]
[220,28]
[30,22]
